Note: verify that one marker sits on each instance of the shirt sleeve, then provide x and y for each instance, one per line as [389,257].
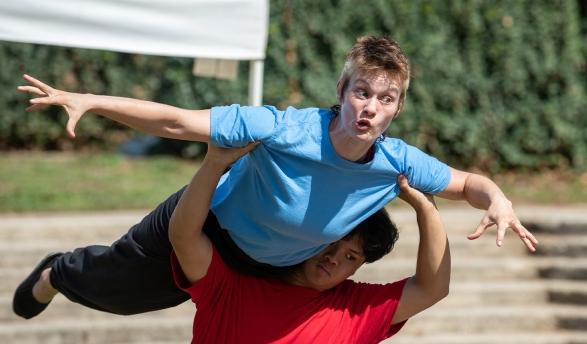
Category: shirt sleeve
[209,286]
[377,303]
[425,172]
[236,126]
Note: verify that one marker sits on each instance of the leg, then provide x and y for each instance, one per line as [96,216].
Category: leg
[131,276]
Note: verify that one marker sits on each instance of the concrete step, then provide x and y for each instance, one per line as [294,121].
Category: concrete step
[559,228]
[572,245]
[26,253]
[479,294]
[150,327]
[113,224]
[135,329]
[541,337]
[61,308]
[503,318]
[463,294]
[389,269]
[476,269]
[496,295]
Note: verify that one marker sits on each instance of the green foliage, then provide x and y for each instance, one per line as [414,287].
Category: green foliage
[61,181]
[496,84]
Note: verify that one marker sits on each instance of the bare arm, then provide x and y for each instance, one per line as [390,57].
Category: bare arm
[482,193]
[192,247]
[148,117]
[431,282]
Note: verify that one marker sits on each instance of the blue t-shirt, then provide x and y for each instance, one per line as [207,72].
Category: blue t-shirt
[293,195]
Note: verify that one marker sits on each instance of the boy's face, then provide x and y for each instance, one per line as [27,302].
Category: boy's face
[369,103]
[333,265]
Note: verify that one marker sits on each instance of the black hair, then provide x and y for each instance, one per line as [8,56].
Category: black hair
[378,234]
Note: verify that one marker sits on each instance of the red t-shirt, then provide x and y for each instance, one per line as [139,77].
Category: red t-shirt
[236,308]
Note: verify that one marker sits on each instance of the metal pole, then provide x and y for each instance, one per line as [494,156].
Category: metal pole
[256,82]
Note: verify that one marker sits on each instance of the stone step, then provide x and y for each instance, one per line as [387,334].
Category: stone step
[572,245]
[61,307]
[116,329]
[541,218]
[113,224]
[564,272]
[477,269]
[559,228]
[390,269]
[555,337]
[479,294]
[154,327]
[28,252]
[503,318]
[471,294]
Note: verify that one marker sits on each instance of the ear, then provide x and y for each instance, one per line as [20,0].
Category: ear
[339,94]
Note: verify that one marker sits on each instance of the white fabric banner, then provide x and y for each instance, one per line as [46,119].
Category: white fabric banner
[226,29]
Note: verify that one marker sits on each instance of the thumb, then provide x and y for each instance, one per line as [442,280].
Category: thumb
[251,146]
[70,127]
[405,188]
[403,182]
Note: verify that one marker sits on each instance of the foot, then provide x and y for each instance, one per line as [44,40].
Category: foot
[43,291]
[34,293]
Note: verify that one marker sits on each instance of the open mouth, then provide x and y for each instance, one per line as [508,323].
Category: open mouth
[363,124]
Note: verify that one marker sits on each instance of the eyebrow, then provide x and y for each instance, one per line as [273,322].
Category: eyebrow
[360,254]
[391,89]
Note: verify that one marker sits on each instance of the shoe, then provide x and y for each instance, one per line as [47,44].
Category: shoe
[24,303]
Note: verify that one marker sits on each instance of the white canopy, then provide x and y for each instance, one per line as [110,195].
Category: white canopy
[224,29]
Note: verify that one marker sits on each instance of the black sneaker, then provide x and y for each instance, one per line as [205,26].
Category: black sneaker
[24,303]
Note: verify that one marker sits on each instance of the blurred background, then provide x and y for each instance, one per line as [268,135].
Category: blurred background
[499,87]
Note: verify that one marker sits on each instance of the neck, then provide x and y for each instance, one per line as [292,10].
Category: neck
[347,146]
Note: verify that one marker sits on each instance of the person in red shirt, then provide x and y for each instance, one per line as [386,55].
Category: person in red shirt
[315,302]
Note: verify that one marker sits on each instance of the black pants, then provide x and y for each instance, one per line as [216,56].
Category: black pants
[133,275]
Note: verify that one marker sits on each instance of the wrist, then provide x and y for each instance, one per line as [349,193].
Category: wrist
[215,163]
[89,101]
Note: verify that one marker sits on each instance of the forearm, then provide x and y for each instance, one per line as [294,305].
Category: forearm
[481,192]
[433,263]
[152,118]
[189,215]
[477,190]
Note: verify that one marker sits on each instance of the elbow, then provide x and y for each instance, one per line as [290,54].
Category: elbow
[172,232]
[438,294]
[443,287]
[444,292]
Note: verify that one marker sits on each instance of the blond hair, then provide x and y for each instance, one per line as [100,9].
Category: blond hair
[374,54]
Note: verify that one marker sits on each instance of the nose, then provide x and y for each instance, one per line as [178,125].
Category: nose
[330,258]
[370,108]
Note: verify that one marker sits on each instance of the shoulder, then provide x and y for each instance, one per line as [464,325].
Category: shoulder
[394,145]
[364,291]
[305,115]
[218,273]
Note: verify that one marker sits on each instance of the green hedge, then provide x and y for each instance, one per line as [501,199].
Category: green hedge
[497,85]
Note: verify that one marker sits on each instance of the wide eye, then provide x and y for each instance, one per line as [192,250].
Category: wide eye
[361,93]
[386,100]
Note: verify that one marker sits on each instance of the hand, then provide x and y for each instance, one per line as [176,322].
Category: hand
[72,102]
[502,214]
[226,156]
[412,196]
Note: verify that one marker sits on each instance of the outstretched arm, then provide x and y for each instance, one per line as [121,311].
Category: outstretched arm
[483,193]
[148,117]
[431,282]
[192,247]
